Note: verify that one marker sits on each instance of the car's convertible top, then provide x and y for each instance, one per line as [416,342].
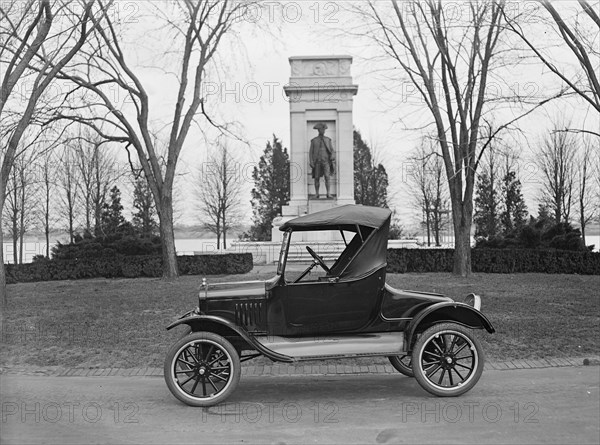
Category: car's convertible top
[345,217]
[367,251]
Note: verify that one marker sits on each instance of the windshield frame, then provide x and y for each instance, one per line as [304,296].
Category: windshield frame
[285,243]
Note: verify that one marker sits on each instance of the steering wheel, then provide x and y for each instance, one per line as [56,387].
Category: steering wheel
[318,259]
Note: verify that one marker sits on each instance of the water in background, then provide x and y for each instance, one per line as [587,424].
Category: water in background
[189,247]
[183,247]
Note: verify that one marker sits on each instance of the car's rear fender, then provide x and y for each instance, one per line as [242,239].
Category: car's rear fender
[453,312]
[226,328]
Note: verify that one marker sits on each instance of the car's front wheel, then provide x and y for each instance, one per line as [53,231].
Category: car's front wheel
[202,369]
[447,360]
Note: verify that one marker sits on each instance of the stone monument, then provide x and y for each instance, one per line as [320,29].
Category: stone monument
[320,93]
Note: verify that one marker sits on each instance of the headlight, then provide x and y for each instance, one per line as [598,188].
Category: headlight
[474,300]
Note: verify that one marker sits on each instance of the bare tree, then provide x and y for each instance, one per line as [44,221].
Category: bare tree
[46,172]
[420,186]
[32,33]
[20,203]
[85,158]
[426,181]
[596,161]
[579,28]
[68,179]
[556,159]
[577,24]
[219,190]
[12,211]
[584,167]
[439,207]
[450,65]
[27,195]
[97,172]
[197,28]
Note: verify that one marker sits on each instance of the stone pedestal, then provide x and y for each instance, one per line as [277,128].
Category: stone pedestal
[320,90]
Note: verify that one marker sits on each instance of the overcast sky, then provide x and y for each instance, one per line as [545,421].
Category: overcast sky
[254,67]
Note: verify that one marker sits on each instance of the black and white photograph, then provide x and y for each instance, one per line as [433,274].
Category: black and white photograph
[303,221]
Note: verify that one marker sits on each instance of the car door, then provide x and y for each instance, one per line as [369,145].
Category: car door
[325,306]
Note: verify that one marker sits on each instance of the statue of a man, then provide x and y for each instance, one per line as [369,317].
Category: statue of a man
[321,158]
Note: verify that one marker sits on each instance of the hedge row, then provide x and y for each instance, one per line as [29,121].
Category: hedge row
[496,261]
[127,267]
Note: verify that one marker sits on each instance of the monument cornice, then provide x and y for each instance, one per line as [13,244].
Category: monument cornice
[330,57]
[321,67]
[290,89]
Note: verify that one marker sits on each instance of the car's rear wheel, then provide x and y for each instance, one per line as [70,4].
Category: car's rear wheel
[447,360]
[403,364]
[202,369]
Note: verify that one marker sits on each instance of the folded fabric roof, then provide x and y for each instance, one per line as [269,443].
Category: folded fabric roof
[344,217]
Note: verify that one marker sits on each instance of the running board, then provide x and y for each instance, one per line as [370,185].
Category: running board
[335,346]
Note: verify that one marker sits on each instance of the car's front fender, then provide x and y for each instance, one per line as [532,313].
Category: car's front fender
[212,323]
[455,312]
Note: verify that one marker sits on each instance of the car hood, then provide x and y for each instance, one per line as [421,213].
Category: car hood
[240,289]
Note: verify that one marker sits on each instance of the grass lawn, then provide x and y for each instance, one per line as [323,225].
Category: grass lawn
[121,323]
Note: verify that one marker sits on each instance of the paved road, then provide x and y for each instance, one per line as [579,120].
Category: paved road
[552,405]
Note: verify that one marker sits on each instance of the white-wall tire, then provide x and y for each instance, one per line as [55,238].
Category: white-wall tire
[202,369]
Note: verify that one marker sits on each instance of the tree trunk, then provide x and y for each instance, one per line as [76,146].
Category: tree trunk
[462,251]
[462,241]
[97,211]
[218,231]
[2,267]
[15,239]
[582,219]
[428,224]
[88,221]
[22,216]
[21,241]
[21,233]
[436,227]
[47,233]
[224,231]
[167,238]
[71,227]
[47,217]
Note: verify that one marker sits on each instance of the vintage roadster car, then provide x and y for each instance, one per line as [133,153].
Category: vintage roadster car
[346,310]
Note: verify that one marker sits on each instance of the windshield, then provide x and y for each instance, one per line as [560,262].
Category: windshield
[284,244]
